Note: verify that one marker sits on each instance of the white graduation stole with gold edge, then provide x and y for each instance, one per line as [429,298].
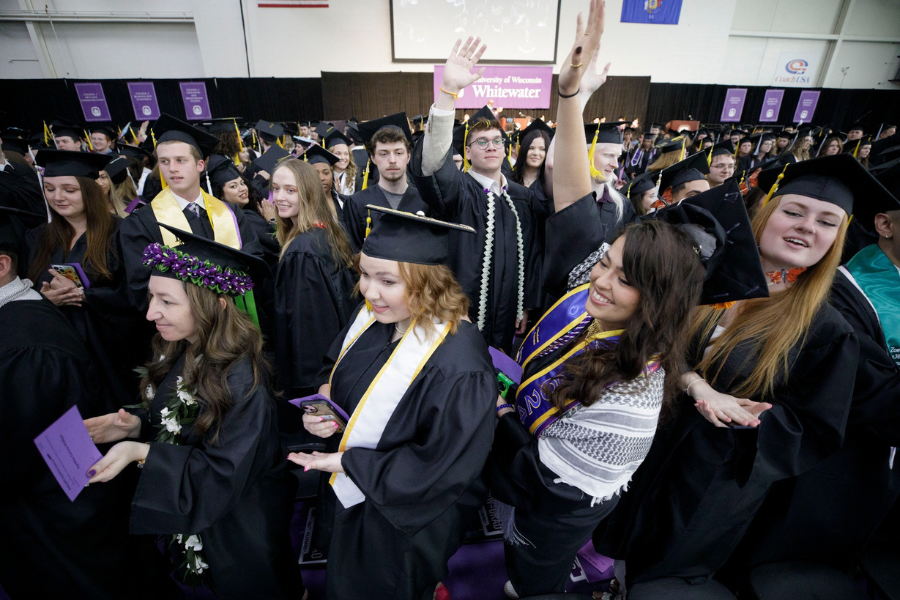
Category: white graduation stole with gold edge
[377,405]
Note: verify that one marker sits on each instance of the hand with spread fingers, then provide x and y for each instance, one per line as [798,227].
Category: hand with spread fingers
[580,59]
[458,73]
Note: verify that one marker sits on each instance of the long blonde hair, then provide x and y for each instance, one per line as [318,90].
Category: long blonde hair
[315,211]
[775,324]
[797,149]
[115,200]
[351,169]
[666,160]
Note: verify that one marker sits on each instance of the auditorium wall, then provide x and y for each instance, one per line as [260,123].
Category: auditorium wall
[733,42]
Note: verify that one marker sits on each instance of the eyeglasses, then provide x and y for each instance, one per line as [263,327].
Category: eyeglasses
[483,143]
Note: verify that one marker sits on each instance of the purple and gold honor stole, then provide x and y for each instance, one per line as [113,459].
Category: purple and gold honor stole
[377,405]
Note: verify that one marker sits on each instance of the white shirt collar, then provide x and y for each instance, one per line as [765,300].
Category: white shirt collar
[488,183]
[3,164]
[183,204]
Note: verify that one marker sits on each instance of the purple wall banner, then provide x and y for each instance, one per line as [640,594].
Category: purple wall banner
[143,100]
[806,107]
[196,103]
[93,101]
[771,106]
[734,105]
[508,87]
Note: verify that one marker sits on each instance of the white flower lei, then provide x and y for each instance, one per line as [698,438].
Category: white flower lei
[488,253]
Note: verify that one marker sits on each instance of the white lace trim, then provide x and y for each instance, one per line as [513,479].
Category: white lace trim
[488,254]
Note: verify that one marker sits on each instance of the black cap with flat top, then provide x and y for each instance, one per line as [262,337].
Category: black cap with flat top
[718,222]
[693,168]
[116,168]
[66,128]
[270,158]
[335,138]
[642,183]
[224,125]
[317,154]
[367,129]
[407,237]
[607,133]
[837,179]
[268,131]
[220,169]
[16,145]
[170,129]
[107,129]
[63,163]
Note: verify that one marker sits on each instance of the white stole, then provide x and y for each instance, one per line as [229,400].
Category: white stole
[377,405]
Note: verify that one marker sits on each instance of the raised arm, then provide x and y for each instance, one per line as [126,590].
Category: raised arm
[572,176]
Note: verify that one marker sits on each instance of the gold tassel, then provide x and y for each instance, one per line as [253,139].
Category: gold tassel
[153,137]
[365,183]
[134,137]
[368,231]
[595,174]
[162,180]
[278,141]
[681,156]
[709,156]
[466,163]
[856,150]
[255,142]
[240,142]
[48,135]
[774,187]
[88,137]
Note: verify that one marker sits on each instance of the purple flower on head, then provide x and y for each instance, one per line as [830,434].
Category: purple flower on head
[190,268]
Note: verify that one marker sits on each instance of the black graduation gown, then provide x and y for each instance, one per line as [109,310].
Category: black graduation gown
[51,547]
[695,496]
[340,201]
[313,303]
[830,512]
[422,482]
[556,518]
[457,197]
[235,493]
[116,335]
[141,229]
[20,188]
[355,211]
[536,282]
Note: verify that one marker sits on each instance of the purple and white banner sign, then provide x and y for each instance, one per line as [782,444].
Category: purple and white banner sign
[734,105]
[806,107]
[93,101]
[196,103]
[508,87]
[771,106]
[143,100]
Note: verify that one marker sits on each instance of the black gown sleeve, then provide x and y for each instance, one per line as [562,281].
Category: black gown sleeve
[416,481]
[443,191]
[187,488]
[354,219]
[571,235]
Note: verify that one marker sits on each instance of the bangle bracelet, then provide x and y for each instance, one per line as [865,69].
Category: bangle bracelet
[455,96]
[687,390]
[502,406]
[572,95]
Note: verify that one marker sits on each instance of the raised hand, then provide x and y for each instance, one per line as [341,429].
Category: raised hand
[586,47]
[592,80]
[113,427]
[458,68]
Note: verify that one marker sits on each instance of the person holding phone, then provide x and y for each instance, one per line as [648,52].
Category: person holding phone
[212,478]
[84,232]
[403,481]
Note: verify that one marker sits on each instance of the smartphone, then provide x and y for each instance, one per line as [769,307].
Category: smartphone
[321,406]
[74,273]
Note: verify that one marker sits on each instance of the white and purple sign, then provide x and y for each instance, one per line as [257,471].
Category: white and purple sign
[734,105]
[196,102]
[143,100]
[93,102]
[771,106]
[806,107]
[508,87]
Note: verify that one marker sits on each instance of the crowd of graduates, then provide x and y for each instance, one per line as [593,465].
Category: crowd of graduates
[703,327]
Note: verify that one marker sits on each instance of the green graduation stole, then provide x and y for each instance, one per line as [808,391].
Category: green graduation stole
[879,279]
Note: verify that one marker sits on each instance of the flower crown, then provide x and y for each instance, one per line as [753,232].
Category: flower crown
[185,267]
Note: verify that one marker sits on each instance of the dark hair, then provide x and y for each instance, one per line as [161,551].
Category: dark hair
[387,135]
[13,259]
[228,144]
[519,170]
[660,263]
[753,199]
[226,336]
[58,234]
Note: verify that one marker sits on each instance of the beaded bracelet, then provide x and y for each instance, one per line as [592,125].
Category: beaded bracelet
[687,390]
[502,406]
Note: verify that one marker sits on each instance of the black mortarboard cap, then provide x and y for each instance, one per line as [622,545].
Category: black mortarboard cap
[725,147]
[642,183]
[116,168]
[137,152]
[270,158]
[367,129]
[410,238]
[890,179]
[268,131]
[607,133]
[693,168]
[217,254]
[220,169]
[13,132]
[170,129]
[336,137]
[838,179]
[857,125]
[353,133]
[459,133]
[108,129]
[527,135]
[674,145]
[733,268]
[290,128]
[878,169]
[324,129]
[16,145]
[66,128]
[13,225]
[317,154]
[223,125]
[61,163]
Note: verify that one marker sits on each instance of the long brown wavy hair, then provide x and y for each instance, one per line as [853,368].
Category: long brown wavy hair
[226,336]
[775,324]
[660,263]
[315,209]
[58,234]
[351,169]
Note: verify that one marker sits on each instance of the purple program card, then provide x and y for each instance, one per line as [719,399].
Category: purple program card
[506,365]
[67,449]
